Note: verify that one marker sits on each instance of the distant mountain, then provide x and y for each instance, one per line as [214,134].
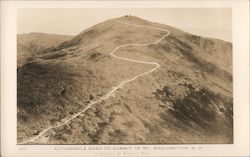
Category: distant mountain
[219,33]
[188,99]
[31,43]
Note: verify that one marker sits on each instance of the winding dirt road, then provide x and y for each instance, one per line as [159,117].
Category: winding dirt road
[116,87]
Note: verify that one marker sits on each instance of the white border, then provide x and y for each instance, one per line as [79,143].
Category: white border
[240,78]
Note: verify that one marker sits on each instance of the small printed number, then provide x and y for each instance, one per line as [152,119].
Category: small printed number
[21,149]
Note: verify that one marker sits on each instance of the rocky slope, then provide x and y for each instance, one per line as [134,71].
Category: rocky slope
[188,99]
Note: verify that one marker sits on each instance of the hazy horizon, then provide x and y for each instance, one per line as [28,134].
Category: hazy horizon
[209,22]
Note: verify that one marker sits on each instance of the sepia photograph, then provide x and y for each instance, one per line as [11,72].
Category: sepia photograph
[124,76]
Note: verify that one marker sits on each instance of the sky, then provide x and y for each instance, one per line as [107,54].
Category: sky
[209,22]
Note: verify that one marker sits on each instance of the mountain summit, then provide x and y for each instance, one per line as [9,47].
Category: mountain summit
[170,87]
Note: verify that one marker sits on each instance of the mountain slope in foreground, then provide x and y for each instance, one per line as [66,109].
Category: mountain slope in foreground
[187,100]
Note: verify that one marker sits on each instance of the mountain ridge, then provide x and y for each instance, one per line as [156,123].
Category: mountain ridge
[30,43]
